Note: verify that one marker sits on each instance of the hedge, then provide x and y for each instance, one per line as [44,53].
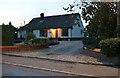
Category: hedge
[30,36]
[7,35]
[91,42]
[110,47]
[39,42]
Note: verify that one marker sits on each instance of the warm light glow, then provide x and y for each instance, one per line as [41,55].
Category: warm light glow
[53,32]
[59,29]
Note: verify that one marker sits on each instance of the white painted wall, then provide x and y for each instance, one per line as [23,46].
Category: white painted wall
[69,32]
[76,31]
[36,33]
[49,33]
[22,33]
[59,33]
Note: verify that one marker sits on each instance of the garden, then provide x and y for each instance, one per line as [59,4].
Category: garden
[109,47]
[30,43]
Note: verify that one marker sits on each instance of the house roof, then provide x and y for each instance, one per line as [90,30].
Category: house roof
[58,21]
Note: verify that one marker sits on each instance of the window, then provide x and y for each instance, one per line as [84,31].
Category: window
[43,32]
[64,32]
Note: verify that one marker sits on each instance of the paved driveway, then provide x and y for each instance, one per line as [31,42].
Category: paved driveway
[65,47]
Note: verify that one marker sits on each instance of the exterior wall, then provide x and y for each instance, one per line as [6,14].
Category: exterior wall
[49,33]
[59,32]
[36,33]
[69,32]
[21,34]
[77,30]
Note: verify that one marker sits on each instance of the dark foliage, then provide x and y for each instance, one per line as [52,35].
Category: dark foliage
[7,35]
[39,42]
[110,47]
[91,42]
[101,18]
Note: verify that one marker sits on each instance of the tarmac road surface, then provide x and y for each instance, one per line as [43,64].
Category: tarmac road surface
[10,70]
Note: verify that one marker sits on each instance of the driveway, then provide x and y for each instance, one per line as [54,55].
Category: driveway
[65,47]
[69,51]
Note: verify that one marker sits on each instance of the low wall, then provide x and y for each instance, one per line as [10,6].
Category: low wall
[15,48]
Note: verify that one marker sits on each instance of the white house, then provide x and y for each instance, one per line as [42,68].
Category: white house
[68,26]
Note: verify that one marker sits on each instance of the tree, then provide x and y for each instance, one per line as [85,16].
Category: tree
[7,35]
[100,16]
[118,19]
[104,23]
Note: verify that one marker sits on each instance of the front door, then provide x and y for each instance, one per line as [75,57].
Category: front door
[56,34]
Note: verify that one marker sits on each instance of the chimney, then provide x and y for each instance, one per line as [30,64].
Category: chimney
[42,15]
[10,23]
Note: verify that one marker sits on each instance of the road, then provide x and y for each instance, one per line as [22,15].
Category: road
[81,69]
[10,70]
[15,71]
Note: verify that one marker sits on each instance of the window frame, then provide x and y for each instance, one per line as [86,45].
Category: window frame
[65,31]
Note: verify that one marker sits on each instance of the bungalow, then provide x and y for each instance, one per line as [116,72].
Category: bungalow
[68,26]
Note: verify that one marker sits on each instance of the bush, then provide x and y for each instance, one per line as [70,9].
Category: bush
[7,35]
[39,42]
[110,47]
[29,37]
[91,42]
[19,44]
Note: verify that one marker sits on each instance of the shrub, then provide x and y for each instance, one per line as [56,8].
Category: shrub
[110,47]
[7,35]
[29,37]
[19,44]
[39,42]
[91,42]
